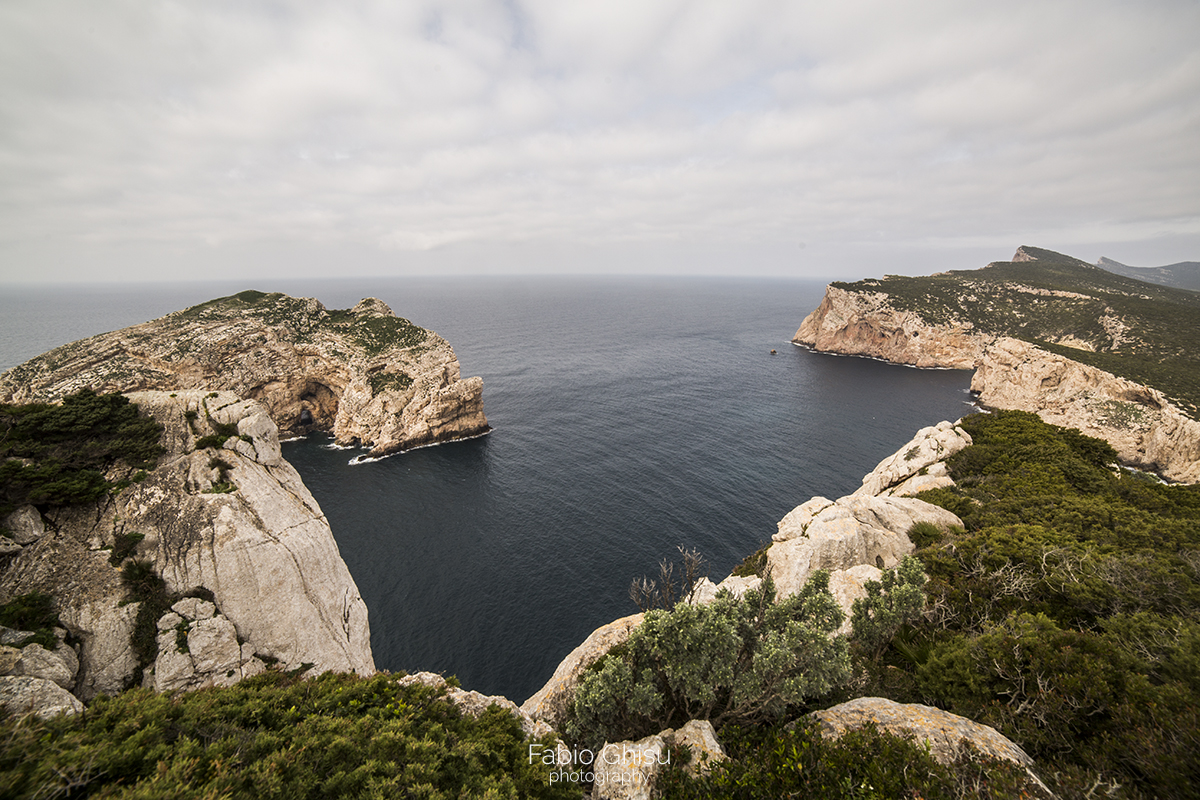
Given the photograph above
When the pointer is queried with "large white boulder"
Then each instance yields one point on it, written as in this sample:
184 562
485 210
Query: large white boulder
929 447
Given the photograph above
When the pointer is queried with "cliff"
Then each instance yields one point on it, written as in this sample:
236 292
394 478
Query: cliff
250 571
362 374
1046 333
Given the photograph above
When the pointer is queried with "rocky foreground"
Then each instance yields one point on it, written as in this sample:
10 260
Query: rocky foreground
363 374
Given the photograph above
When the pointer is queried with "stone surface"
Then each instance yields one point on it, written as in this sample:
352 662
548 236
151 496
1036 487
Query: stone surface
24 525
848 585
364 374
705 591
942 731
38 662
20 695
700 736
1145 429
854 530
627 770
194 608
9 656
929 447
265 551
551 702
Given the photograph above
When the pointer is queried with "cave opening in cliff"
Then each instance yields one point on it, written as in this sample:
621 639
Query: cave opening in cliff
321 404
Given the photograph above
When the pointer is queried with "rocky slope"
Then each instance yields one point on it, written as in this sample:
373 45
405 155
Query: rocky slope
251 570
984 320
364 374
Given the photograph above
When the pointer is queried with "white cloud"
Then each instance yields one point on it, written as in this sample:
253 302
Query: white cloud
421 128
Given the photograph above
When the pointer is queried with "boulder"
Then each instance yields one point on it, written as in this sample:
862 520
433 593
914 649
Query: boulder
38 662
854 530
627 770
705 591
848 585
552 701
24 525
22 694
473 704
929 447
942 732
701 738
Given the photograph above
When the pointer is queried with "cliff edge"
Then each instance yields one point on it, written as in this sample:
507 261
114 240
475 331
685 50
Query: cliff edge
363 374
248 569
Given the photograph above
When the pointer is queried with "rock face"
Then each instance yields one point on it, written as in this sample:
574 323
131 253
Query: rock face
364 375
552 701
233 520
921 457
1146 430
942 731
866 324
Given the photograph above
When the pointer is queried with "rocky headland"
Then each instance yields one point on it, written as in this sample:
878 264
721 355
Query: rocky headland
1031 329
363 374
250 573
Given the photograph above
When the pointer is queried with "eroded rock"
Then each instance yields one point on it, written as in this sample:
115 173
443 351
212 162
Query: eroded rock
552 701
21 694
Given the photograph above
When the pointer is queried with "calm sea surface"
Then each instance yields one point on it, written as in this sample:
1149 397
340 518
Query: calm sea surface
631 415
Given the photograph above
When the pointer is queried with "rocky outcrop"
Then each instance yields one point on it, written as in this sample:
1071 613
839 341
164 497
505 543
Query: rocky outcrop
231 521
923 457
848 532
552 702
867 324
627 770
1145 429
944 733
364 374
20 695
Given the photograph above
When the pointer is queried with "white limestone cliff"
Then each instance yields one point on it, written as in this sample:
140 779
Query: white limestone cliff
235 521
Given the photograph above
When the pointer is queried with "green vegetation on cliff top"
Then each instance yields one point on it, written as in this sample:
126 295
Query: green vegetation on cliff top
1137 330
372 332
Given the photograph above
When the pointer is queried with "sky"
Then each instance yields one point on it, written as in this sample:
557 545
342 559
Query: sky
183 140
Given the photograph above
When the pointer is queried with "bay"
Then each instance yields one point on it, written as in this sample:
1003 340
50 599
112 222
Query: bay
631 416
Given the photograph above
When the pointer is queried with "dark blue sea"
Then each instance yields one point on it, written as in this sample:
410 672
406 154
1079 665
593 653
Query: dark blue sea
631 416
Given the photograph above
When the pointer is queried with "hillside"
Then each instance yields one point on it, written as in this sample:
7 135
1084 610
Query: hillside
1184 275
1136 330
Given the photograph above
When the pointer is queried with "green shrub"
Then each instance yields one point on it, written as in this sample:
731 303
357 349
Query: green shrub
275 738
895 600
733 660
70 447
33 612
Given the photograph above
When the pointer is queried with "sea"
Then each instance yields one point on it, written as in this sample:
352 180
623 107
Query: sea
632 416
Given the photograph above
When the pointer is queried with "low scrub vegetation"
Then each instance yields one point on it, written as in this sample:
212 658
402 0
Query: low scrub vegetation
275 736
58 455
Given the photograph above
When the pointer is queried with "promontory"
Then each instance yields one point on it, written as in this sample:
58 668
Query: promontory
365 375
1113 356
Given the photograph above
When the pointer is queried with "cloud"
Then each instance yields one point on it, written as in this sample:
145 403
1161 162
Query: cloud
418 128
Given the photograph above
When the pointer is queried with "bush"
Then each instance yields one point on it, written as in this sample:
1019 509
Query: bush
275 738
732 660
70 447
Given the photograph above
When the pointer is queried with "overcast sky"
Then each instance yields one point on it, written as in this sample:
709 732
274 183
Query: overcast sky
150 139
